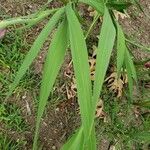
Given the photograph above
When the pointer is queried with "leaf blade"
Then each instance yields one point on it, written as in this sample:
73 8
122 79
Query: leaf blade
121 47
82 73
37 45
131 72
75 142
96 4
106 42
54 60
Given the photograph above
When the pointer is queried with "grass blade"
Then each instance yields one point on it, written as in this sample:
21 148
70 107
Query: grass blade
96 4
131 65
106 43
76 142
131 72
144 104
37 45
26 19
81 67
55 57
121 47
143 136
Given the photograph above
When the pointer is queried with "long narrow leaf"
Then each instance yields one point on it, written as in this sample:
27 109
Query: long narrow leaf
96 4
131 64
26 19
54 60
121 47
131 72
106 43
143 136
81 67
76 142
35 49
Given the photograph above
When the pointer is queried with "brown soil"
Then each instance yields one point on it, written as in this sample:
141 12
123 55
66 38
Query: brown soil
137 28
62 118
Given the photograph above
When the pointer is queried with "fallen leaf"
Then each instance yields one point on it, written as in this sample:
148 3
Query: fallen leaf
69 71
92 62
92 12
71 90
120 15
2 33
116 83
99 110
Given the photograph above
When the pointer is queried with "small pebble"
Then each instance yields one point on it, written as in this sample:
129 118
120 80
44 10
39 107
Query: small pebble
54 147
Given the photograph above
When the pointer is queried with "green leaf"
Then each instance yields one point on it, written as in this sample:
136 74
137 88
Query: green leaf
37 45
76 142
96 4
121 47
41 15
120 6
131 65
82 72
131 72
106 43
54 60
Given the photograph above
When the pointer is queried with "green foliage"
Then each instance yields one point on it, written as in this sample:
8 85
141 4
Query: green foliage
107 35
70 34
11 116
81 67
8 144
52 65
36 47
121 47
12 52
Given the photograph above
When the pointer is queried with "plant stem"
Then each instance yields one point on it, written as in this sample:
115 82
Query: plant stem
91 26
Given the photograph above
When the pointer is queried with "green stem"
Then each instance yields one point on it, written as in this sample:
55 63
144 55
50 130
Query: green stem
91 26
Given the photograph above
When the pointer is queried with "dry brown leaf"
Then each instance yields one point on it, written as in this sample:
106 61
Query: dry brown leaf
2 33
94 51
92 63
120 15
68 71
71 89
116 84
99 110
92 12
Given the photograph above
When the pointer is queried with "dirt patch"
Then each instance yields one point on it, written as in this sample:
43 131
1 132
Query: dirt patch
137 28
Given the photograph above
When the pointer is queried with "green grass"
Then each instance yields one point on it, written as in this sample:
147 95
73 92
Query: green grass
7 143
121 127
10 116
13 49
